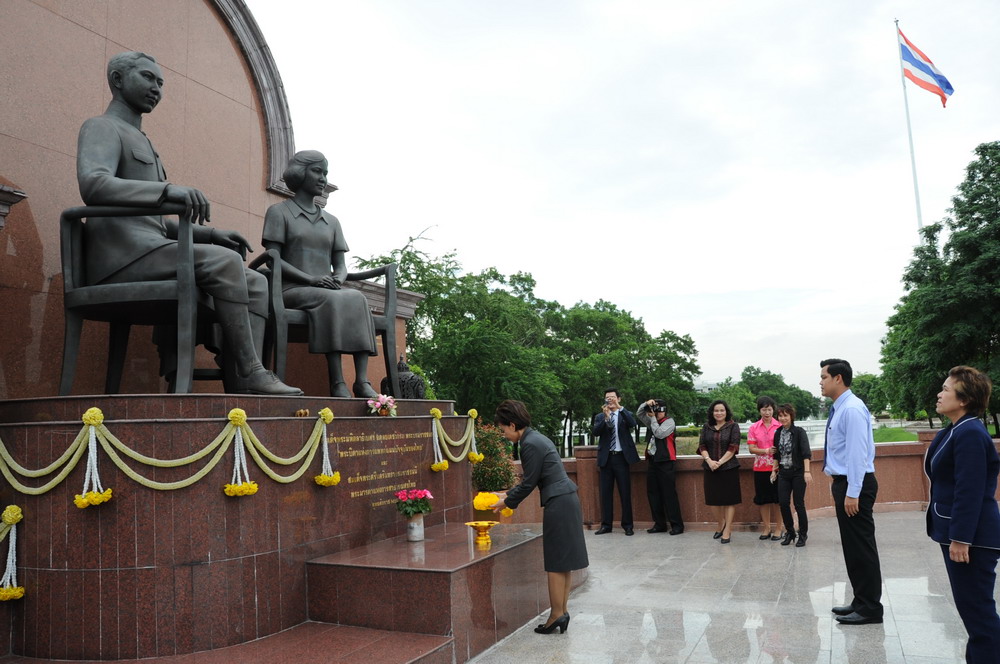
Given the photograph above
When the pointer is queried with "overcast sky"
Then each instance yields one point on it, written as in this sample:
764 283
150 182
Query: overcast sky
735 171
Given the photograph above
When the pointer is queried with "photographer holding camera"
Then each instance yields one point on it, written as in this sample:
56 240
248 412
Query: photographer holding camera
661 452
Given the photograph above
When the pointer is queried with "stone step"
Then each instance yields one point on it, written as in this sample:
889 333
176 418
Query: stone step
308 643
448 585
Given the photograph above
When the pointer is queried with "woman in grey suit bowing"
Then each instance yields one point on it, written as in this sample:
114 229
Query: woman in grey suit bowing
562 521
962 464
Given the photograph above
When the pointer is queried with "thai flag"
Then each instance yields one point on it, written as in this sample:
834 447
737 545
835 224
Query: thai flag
921 71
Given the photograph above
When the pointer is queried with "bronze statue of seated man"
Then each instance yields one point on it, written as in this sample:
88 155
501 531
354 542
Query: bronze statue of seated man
117 165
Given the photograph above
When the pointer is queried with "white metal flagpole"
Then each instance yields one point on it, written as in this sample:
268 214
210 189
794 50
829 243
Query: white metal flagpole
909 131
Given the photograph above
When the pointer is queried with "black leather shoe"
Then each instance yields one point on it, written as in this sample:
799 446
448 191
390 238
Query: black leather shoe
858 619
676 531
604 530
765 536
561 623
802 540
788 539
262 381
629 532
717 535
845 610
657 529
725 540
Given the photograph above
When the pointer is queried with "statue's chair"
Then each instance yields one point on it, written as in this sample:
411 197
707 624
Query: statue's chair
292 325
176 302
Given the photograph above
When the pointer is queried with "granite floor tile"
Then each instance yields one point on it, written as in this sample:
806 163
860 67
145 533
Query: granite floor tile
708 603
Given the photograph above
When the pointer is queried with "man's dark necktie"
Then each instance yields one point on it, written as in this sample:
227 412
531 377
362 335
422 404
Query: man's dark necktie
826 435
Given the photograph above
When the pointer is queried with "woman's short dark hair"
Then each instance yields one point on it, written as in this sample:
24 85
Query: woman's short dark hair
765 401
973 387
513 412
786 408
711 414
295 172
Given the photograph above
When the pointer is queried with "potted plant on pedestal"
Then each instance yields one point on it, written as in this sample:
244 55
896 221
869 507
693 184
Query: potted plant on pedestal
496 471
414 504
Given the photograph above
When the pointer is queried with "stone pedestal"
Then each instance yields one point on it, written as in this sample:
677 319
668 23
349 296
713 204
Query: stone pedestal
156 573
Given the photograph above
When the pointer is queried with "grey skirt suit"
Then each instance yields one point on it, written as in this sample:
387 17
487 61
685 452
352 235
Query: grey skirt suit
563 543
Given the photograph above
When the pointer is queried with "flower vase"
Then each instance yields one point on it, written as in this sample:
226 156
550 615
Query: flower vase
415 528
384 412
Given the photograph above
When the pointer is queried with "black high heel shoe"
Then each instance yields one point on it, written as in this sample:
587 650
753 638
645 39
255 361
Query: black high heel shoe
789 538
562 622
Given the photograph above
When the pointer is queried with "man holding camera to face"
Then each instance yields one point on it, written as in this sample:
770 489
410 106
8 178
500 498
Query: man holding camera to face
615 453
661 452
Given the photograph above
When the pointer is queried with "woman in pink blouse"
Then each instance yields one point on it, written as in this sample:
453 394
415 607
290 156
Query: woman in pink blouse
760 441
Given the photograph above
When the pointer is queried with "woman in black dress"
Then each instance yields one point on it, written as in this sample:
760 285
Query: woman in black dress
562 519
718 446
791 473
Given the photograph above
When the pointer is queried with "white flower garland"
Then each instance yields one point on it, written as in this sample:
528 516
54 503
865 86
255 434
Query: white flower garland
8 527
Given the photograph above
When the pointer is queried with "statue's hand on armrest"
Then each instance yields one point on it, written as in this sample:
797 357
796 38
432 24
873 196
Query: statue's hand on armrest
196 207
327 281
231 240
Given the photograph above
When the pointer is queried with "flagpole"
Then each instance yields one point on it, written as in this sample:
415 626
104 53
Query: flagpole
909 132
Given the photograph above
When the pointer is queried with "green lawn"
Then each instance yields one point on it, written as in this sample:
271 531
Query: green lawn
893 435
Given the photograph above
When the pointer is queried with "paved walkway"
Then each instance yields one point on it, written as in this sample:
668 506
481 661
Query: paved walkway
656 598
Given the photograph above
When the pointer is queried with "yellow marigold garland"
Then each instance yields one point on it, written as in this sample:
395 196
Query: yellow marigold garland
327 476
9 589
484 500
12 514
94 431
89 498
441 442
241 489
328 480
93 492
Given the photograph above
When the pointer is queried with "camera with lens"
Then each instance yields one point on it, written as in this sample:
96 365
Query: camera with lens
658 408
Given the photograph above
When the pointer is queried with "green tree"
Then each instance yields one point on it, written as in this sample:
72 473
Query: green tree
868 388
761 382
741 401
950 313
485 337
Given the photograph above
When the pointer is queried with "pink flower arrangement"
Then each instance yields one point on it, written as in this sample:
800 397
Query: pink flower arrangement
414 501
382 405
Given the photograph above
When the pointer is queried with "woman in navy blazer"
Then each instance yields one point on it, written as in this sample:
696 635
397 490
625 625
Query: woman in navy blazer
563 546
962 464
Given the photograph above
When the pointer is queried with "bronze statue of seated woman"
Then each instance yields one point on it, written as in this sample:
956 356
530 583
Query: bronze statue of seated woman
312 248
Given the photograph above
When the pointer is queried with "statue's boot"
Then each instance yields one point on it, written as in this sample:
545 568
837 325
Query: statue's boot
362 388
246 375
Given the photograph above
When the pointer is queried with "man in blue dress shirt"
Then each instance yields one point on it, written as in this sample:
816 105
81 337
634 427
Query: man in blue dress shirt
849 459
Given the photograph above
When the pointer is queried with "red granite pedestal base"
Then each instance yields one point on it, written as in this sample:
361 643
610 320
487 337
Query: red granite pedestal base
155 573
445 585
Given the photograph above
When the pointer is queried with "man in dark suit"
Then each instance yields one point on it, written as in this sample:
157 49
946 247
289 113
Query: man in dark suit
116 164
849 458
615 453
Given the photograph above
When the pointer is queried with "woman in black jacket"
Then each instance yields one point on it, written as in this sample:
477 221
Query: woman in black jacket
563 546
791 471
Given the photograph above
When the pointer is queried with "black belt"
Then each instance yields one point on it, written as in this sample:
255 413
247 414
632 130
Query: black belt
614 452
